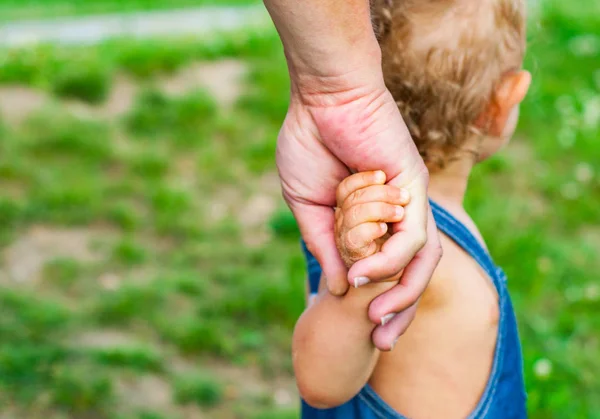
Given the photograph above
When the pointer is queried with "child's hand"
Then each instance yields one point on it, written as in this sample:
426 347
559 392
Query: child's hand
364 206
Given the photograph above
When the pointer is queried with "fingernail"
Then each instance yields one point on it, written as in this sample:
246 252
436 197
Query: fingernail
360 281
386 319
383 226
399 211
394 344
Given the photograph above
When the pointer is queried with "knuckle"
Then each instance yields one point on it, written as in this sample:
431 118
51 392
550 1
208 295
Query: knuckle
357 195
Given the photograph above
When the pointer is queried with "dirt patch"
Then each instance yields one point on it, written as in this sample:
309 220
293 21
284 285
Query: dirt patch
251 204
242 384
257 210
121 97
255 213
24 260
222 79
103 339
269 183
223 203
246 383
18 102
250 383
149 392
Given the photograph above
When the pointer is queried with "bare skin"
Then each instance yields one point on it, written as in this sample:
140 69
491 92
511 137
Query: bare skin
342 117
441 364
364 208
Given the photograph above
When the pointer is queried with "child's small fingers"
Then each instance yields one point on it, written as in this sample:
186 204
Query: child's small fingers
373 212
358 181
359 238
378 193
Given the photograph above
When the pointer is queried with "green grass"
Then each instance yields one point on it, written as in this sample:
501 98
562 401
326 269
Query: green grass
161 190
550 201
134 357
85 80
37 9
86 73
204 391
186 120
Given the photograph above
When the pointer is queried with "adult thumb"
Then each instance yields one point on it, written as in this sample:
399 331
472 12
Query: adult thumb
316 223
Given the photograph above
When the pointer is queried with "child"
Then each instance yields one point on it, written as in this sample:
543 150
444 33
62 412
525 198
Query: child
454 68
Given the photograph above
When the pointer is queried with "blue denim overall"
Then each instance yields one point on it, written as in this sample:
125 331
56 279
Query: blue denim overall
504 396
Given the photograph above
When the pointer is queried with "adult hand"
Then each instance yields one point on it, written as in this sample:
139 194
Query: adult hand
342 116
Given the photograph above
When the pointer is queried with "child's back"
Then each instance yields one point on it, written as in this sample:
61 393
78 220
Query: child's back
453 66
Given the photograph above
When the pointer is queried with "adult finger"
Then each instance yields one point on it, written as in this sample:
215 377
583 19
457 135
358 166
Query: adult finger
384 337
414 280
316 223
358 181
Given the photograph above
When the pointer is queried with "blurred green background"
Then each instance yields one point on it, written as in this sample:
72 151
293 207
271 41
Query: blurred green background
150 270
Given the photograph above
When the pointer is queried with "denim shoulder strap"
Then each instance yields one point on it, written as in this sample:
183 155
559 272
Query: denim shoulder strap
313 268
461 235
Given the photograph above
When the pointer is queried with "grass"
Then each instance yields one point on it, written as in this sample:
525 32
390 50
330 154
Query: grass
135 357
204 391
162 189
39 9
86 74
87 81
186 120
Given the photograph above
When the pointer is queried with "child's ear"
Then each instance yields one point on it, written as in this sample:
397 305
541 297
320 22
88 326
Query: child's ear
509 93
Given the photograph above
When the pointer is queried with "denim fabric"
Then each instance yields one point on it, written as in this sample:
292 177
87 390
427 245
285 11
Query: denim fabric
504 396
314 270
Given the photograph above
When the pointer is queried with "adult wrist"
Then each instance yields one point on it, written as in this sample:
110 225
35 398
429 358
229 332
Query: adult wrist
358 71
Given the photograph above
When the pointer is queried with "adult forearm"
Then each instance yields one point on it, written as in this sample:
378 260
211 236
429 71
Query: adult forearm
325 38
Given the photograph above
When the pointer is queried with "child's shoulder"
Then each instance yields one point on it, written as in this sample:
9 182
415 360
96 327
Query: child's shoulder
457 273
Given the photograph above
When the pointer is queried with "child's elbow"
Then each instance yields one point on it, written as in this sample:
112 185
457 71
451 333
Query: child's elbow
316 386
321 397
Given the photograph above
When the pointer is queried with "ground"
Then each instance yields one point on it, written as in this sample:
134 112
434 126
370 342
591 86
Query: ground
149 268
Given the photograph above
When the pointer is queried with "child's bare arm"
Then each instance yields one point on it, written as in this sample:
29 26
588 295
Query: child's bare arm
332 350
333 353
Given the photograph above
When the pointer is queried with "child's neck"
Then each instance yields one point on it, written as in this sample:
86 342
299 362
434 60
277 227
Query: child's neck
448 186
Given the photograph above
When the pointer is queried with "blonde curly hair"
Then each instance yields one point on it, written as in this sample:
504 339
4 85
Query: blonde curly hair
442 60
